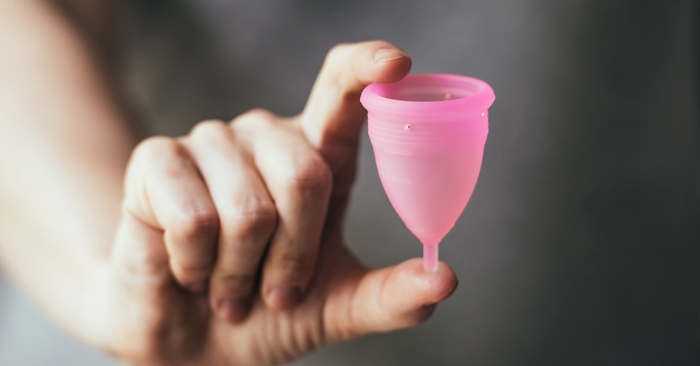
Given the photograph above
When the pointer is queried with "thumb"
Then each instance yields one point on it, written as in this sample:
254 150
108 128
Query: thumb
333 115
395 297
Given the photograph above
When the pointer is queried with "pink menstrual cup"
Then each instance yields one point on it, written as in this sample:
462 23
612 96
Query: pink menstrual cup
428 133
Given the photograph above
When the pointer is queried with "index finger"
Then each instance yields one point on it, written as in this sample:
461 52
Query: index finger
333 115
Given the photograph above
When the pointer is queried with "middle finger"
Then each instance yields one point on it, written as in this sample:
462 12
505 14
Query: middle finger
300 182
246 211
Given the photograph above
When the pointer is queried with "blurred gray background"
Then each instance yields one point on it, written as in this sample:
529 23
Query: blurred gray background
581 243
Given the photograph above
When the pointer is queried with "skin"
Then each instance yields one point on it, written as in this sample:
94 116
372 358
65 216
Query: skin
222 247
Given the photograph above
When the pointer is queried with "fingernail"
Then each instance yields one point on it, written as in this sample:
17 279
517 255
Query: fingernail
232 308
387 54
199 286
284 296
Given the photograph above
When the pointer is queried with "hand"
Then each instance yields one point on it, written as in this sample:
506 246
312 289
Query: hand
230 250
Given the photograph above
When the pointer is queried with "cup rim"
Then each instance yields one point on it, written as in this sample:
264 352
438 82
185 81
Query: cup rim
481 98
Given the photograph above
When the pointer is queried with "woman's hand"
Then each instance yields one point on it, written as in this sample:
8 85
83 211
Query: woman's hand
230 251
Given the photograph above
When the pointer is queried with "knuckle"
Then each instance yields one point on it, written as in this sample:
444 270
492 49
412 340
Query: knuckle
190 270
337 51
196 222
259 113
310 175
253 117
206 130
158 155
294 264
157 148
253 217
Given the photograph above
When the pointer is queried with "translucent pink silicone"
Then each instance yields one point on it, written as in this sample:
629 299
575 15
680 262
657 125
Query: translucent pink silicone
428 133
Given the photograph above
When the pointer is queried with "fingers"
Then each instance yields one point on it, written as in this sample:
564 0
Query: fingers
392 298
246 211
333 115
300 183
216 195
165 192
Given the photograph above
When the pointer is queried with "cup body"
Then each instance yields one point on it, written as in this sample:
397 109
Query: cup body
428 133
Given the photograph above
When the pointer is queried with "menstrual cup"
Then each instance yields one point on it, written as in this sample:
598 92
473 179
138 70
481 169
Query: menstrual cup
428 133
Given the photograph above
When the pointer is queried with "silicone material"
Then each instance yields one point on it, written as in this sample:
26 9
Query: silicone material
428 133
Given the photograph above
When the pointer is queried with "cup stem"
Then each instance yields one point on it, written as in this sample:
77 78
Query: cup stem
430 258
